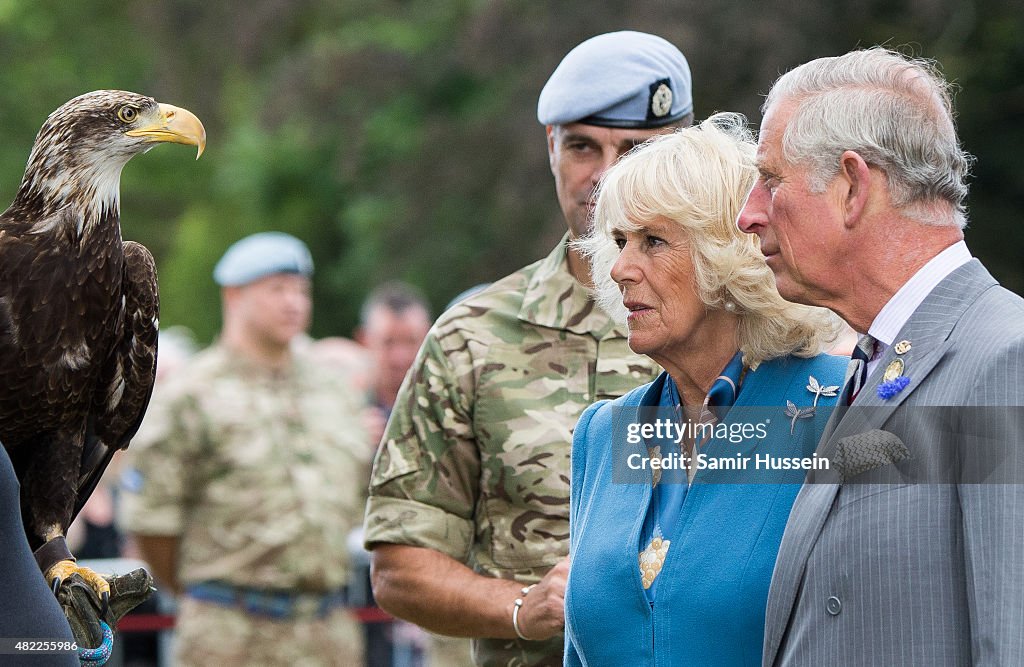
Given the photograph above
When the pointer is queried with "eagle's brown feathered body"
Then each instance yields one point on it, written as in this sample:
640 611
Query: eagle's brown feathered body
78 306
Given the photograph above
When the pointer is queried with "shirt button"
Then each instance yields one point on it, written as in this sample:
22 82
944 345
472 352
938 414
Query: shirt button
833 606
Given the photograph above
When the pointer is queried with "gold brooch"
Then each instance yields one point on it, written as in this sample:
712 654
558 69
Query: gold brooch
893 370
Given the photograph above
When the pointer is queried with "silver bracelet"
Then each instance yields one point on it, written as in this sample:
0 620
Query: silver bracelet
515 612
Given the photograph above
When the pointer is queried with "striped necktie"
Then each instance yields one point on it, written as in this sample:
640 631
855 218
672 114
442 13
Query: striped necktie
857 371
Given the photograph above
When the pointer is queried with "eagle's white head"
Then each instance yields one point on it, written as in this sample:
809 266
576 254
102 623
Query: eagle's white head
81 148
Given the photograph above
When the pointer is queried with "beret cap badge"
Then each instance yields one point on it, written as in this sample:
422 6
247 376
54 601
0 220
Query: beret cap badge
661 100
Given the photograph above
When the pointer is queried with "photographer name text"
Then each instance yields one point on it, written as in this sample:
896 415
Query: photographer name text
676 461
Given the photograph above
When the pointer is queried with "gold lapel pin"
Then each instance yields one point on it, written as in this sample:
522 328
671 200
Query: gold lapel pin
902 347
893 370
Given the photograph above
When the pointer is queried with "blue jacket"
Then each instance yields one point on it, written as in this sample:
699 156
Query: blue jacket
711 597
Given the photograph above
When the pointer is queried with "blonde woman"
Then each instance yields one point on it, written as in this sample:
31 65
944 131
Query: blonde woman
673 570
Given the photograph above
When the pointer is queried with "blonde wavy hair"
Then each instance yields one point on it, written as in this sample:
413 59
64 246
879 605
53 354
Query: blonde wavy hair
699 178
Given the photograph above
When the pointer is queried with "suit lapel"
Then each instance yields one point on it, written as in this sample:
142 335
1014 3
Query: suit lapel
871 411
928 331
813 503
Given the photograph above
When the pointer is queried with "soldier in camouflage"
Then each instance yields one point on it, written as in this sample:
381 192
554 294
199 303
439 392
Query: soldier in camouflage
470 489
247 476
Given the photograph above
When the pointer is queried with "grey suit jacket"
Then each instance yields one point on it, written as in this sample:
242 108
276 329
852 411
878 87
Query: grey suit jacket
905 573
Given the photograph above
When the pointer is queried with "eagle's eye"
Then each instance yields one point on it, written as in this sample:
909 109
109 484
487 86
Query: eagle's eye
128 113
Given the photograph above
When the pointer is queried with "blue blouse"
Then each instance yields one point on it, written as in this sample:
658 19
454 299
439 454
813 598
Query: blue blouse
667 497
713 587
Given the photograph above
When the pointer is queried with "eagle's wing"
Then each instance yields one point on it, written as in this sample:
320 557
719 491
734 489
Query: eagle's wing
128 376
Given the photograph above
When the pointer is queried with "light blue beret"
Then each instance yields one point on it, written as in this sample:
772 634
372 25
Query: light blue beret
618 79
261 255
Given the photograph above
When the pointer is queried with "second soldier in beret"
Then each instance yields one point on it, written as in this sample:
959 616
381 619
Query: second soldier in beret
248 474
469 498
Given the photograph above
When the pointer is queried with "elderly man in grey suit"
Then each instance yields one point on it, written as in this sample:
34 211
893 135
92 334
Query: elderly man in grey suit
859 208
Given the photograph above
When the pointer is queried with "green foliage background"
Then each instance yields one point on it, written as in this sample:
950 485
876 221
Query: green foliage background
399 137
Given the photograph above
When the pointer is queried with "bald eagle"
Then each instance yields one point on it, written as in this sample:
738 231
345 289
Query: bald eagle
78 311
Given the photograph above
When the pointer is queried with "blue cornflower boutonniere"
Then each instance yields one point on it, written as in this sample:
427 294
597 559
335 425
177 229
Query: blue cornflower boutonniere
890 388
893 380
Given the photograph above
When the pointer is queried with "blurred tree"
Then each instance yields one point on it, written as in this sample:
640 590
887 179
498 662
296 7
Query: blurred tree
399 137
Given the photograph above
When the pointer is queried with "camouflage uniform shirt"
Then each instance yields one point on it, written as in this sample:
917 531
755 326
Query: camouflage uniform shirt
262 474
475 459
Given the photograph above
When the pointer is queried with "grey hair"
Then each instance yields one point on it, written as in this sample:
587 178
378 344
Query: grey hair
894 111
698 178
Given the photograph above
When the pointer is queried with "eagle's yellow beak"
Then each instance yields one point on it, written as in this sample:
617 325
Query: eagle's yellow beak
174 125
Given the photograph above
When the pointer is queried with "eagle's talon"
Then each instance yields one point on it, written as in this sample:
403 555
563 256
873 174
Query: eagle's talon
105 606
55 584
65 569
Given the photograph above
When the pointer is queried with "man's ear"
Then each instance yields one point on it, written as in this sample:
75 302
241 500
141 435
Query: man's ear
552 134
229 295
855 176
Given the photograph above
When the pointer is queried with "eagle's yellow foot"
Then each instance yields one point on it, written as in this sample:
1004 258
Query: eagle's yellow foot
65 568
